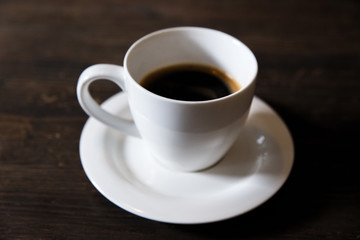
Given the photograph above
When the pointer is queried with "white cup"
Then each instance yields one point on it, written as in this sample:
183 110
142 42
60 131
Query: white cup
181 135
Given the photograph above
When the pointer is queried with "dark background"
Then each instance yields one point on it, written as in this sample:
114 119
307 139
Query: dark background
309 61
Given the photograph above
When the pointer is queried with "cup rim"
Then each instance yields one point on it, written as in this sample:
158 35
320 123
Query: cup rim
188 28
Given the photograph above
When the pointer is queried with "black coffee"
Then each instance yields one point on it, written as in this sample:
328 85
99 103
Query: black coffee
190 82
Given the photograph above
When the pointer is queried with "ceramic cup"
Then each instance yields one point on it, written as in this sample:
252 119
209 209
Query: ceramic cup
181 135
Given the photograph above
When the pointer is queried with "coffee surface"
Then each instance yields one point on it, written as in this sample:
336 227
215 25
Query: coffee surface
190 82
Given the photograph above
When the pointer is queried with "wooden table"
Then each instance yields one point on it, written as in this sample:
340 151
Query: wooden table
309 62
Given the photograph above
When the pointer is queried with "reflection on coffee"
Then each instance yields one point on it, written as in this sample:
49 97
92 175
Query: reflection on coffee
190 82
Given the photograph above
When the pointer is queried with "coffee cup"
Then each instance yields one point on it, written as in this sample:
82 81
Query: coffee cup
181 133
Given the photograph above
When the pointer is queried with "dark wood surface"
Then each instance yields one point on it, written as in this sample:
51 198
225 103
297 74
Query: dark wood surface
309 63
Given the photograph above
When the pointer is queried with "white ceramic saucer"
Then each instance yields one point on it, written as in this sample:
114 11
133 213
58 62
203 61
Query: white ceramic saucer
121 168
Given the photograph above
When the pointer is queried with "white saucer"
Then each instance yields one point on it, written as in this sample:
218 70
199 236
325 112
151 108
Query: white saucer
252 171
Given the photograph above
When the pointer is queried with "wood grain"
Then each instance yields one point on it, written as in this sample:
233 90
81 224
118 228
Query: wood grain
309 61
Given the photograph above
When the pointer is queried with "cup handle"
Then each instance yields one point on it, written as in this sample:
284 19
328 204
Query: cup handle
115 74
